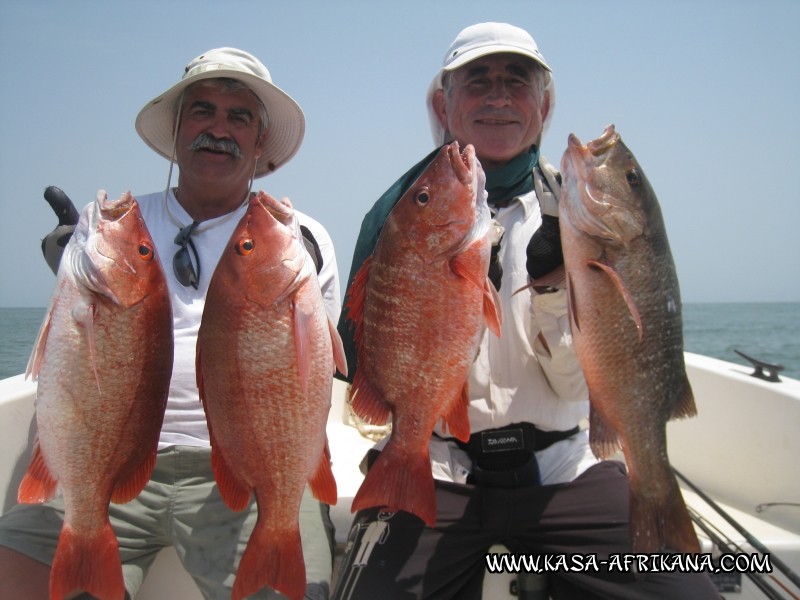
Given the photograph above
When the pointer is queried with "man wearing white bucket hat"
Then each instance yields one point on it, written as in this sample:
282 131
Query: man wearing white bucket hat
527 478
225 124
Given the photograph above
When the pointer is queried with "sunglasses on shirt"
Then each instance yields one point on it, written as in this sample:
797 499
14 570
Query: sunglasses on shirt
182 264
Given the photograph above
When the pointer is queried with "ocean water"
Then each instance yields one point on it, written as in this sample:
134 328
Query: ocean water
768 331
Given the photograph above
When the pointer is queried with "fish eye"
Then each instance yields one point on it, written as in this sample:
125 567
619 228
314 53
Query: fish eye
633 177
422 197
145 251
245 246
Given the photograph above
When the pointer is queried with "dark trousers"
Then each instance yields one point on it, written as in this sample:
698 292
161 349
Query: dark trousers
394 556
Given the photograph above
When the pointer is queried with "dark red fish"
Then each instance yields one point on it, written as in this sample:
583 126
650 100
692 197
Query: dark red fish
625 312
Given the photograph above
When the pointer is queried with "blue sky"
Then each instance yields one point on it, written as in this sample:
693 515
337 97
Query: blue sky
705 93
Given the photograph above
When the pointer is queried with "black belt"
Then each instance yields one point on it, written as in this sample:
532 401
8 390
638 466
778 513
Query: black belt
512 438
504 457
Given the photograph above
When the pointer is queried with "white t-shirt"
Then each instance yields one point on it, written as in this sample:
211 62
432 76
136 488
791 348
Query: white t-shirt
184 420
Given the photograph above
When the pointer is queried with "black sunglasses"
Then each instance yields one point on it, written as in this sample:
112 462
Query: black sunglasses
182 264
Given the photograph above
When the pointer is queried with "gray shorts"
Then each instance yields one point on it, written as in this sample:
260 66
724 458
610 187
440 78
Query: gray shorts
180 506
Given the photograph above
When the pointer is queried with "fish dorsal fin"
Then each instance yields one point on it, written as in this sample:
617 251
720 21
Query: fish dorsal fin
235 494
603 439
623 290
127 489
457 420
38 484
356 295
322 482
685 406
366 401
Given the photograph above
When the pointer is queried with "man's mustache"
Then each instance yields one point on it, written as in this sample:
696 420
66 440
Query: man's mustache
206 141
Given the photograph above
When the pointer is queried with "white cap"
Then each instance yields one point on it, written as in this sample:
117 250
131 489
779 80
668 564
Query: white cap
480 40
286 123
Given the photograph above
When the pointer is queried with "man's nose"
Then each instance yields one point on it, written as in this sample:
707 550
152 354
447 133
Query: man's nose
498 92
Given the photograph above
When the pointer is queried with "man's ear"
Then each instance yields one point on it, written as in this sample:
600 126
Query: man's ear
440 108
545 106
262 139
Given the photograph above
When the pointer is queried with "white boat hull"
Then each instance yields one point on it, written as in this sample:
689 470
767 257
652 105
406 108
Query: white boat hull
740 450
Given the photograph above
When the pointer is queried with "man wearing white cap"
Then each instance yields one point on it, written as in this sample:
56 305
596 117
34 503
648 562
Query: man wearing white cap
527 478
225 124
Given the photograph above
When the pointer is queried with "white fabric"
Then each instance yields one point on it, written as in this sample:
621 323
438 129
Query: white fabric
184 420
513 378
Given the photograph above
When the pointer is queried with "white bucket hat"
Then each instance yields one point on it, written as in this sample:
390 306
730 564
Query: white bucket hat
286 123
480 40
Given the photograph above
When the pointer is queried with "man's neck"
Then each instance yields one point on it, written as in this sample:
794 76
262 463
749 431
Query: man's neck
203 204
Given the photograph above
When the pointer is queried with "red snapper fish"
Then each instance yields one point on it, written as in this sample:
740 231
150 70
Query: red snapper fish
625 312
419 304
266 354
103 360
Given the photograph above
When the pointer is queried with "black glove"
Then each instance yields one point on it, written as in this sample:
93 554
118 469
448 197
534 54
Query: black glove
495 268
312 247
544 250
54 242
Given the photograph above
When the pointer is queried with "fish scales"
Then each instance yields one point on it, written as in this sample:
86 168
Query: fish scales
103 361
265 361
625 313
419 305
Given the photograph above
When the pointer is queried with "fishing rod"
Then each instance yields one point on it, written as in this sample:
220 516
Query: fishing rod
755 543
728 545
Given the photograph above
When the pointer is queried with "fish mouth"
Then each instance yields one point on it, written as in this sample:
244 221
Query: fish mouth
594 148
462 162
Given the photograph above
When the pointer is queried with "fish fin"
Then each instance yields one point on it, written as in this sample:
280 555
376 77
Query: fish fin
468 265
399 482
38 484
356 296
273 559
37 355
661 522
623 290
685 406
235 494
89 563
83 314
129 488
603 438
303 313
491 307
322 482
457 420
339 358
366 402
572 307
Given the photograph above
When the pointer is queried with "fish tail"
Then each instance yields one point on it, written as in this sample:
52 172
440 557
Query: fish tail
273 559
661 522
89 563
399 481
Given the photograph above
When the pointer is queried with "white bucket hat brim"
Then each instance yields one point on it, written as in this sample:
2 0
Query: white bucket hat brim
479 40
286 122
